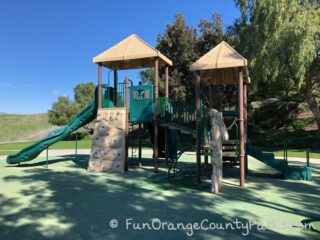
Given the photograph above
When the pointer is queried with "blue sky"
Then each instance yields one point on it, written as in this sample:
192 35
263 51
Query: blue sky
46 47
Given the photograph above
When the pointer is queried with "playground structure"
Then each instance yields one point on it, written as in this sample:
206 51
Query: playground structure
122 105
222 66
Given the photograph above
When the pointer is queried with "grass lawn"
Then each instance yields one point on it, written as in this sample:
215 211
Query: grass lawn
10 148
65 201
22 126
297 153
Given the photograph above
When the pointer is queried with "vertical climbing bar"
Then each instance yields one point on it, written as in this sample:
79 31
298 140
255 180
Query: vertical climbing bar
245 105
205 140
115 88
127 123
308 157
241 128
167 81
166 136
155 121
131 140
285 152
198 126
139 144
210 93
47 157
99 84
76 143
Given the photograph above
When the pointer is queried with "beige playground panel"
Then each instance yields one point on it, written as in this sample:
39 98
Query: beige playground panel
108 145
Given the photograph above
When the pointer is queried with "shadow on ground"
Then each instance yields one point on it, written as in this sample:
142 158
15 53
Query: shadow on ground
67 202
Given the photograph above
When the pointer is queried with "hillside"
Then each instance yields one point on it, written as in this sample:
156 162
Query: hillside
20 127
276 122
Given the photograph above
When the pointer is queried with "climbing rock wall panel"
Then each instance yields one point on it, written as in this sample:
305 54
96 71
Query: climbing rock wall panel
108 145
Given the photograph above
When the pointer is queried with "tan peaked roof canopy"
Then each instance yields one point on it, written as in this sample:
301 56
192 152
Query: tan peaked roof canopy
220 65
130 53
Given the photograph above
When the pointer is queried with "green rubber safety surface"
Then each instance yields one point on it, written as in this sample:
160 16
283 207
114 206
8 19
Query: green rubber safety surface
64 201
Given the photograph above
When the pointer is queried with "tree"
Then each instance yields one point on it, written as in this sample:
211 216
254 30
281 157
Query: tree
83 93
281 40
65 109
211 33
62 111
182 45
179 43
147 76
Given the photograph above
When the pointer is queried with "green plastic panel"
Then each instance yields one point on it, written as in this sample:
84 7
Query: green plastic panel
107 97
293 172
298 173
141 103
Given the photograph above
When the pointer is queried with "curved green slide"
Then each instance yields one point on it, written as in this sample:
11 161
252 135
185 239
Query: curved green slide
85 116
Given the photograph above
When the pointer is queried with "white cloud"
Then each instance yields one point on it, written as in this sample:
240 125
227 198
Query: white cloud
56 92
59 93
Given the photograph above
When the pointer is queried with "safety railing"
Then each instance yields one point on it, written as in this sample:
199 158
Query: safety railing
121 95
113 97
177 112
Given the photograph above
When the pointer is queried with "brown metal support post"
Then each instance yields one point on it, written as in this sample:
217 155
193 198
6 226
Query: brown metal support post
245 106
198 127
99 85
115 88
206 156
139 145
167 130
210 96
155 121
167 81
127 123
241 128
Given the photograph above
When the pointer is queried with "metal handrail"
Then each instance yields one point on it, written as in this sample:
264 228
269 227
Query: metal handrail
120 93
177 112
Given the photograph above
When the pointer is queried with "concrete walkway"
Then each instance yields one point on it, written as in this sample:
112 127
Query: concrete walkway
60 152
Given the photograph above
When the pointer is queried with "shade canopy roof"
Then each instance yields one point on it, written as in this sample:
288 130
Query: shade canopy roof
220 65
131 53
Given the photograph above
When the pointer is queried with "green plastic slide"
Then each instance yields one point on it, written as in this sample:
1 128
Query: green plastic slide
294 172
84 117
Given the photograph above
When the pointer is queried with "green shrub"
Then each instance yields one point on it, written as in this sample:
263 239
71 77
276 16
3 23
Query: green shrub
80 136
298 124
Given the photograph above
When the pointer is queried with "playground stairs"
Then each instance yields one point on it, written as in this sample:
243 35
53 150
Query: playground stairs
172 166
294 172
